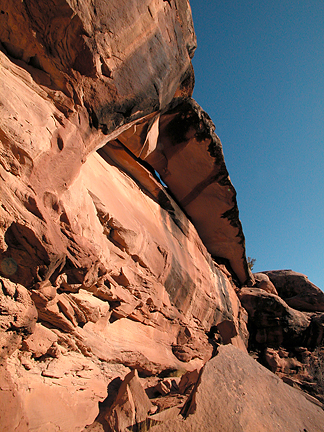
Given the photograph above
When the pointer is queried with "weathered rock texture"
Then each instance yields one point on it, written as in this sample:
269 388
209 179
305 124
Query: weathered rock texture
297 291
286 330
106 272
263 402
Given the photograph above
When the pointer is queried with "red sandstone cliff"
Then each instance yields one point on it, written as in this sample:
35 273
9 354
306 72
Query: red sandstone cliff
106 273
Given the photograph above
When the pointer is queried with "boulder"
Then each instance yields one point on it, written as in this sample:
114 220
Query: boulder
247 399
131 406
188 380
262 281
271 321
40 341
92 307
279 361
297 291
18 316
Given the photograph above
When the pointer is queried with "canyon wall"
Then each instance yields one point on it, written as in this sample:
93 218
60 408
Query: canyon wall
123 268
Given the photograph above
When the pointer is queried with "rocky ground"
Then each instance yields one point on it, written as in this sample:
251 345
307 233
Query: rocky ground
126 298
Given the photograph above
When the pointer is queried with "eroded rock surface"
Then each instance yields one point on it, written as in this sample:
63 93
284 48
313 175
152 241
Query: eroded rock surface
286 340
188 156
93 247
262 281
297 290
256 405
106 271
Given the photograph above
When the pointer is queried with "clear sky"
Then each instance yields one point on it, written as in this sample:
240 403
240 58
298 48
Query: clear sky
259 70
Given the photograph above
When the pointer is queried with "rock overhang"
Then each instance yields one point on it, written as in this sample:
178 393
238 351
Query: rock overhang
133 82
187 154
118 264
111 59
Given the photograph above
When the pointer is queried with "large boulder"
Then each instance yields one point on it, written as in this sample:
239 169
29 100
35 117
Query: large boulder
131 406
271 321
297 291
262 281
235 393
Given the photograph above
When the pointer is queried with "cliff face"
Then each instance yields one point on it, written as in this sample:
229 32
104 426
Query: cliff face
121 248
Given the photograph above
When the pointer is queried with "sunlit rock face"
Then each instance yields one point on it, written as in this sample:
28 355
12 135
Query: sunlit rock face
117 60
121 248
255 407
102 271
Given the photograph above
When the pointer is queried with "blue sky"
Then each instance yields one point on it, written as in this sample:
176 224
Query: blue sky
259 70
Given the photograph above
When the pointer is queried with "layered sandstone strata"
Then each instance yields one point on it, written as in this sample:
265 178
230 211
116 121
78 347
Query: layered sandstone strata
102 271
107 272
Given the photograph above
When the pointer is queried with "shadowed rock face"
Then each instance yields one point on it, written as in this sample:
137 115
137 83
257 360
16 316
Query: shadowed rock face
286 327
190 160
181 145
297 290
273 322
